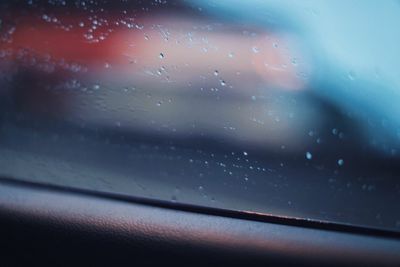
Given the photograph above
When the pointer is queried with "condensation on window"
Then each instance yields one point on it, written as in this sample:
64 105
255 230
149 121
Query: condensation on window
288 108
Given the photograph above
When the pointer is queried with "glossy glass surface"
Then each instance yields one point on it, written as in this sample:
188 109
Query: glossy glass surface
289 108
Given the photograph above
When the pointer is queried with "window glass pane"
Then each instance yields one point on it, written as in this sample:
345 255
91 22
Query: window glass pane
289 108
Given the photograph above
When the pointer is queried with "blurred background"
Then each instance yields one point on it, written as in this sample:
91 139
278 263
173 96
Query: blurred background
288 108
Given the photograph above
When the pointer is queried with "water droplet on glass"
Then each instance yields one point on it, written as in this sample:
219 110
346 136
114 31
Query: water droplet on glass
364 187
351 75
161 55
308 155
245 153
340 162
216 73
255 49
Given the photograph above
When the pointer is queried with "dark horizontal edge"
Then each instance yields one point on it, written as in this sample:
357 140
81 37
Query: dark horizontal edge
236 214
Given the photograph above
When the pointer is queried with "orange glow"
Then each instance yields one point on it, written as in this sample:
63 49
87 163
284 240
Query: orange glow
186 56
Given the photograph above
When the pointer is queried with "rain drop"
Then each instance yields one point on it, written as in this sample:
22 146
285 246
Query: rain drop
351 75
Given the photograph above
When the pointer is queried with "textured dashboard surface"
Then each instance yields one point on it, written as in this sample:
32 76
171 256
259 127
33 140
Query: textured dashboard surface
61 227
